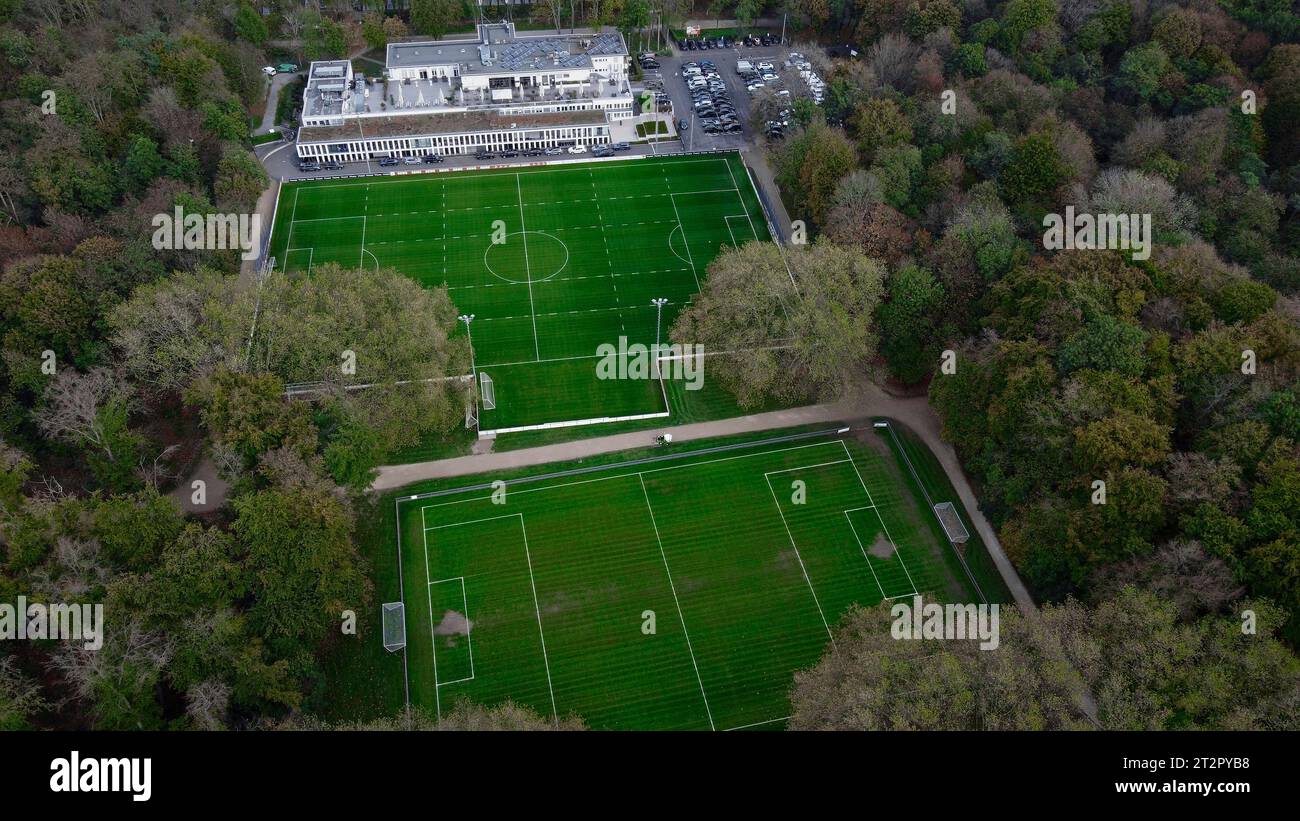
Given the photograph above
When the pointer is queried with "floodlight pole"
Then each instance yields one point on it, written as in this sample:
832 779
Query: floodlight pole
468 318
659 303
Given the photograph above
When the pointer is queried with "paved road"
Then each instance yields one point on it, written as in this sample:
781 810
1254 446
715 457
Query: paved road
277 84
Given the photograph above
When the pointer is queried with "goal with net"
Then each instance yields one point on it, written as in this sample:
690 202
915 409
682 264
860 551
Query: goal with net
394 626
951 522
487 390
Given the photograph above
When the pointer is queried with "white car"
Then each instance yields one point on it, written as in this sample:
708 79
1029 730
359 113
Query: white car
577 149
269 71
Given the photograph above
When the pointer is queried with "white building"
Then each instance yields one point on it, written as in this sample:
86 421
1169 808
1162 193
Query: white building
459 97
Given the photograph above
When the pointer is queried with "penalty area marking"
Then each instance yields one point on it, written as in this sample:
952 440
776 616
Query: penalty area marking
537 608
469 640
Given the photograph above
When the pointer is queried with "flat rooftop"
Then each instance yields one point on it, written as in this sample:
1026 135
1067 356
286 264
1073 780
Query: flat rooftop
327 87
508 54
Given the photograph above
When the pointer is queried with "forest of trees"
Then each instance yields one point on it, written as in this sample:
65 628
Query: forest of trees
122 366
1175 380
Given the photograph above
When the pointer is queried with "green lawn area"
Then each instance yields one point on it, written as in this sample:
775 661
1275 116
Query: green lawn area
651 128
744 552
270 137
552 260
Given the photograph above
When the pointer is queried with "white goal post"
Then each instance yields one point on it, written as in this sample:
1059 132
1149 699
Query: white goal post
487 390
394 614
951 522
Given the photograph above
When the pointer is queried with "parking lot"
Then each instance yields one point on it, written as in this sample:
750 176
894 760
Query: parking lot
683 105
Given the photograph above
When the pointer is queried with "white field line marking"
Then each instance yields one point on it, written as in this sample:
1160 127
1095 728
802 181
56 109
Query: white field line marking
523 232
471 521
362 261
629 475
680 616
328 219
665 358
806 467
726 220
401 593
538 608
690 257
433 640
816 601
742 199
532 582
469 641
293 217
858 539
456 176
757 724
884 526
609 260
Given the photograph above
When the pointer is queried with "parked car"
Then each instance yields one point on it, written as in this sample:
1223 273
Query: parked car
308 166
269 71
602 151
432 159
288 68
551 152
577 149
683 124
384 162
332 166
621 146
411 160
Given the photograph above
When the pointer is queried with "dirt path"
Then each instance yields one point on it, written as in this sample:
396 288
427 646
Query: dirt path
277 84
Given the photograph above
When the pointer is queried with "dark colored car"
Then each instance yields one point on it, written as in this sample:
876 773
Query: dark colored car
433 158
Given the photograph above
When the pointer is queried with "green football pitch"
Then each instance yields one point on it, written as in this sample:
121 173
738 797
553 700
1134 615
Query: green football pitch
552 261
670 592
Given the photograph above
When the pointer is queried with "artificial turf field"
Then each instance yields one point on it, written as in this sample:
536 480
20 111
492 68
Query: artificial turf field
543 599
586 248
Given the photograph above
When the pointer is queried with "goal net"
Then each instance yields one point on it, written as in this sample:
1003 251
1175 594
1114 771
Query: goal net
952 524
487 390
394 626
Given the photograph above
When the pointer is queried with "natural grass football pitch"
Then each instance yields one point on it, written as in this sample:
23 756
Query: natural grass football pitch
586 248
548 598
